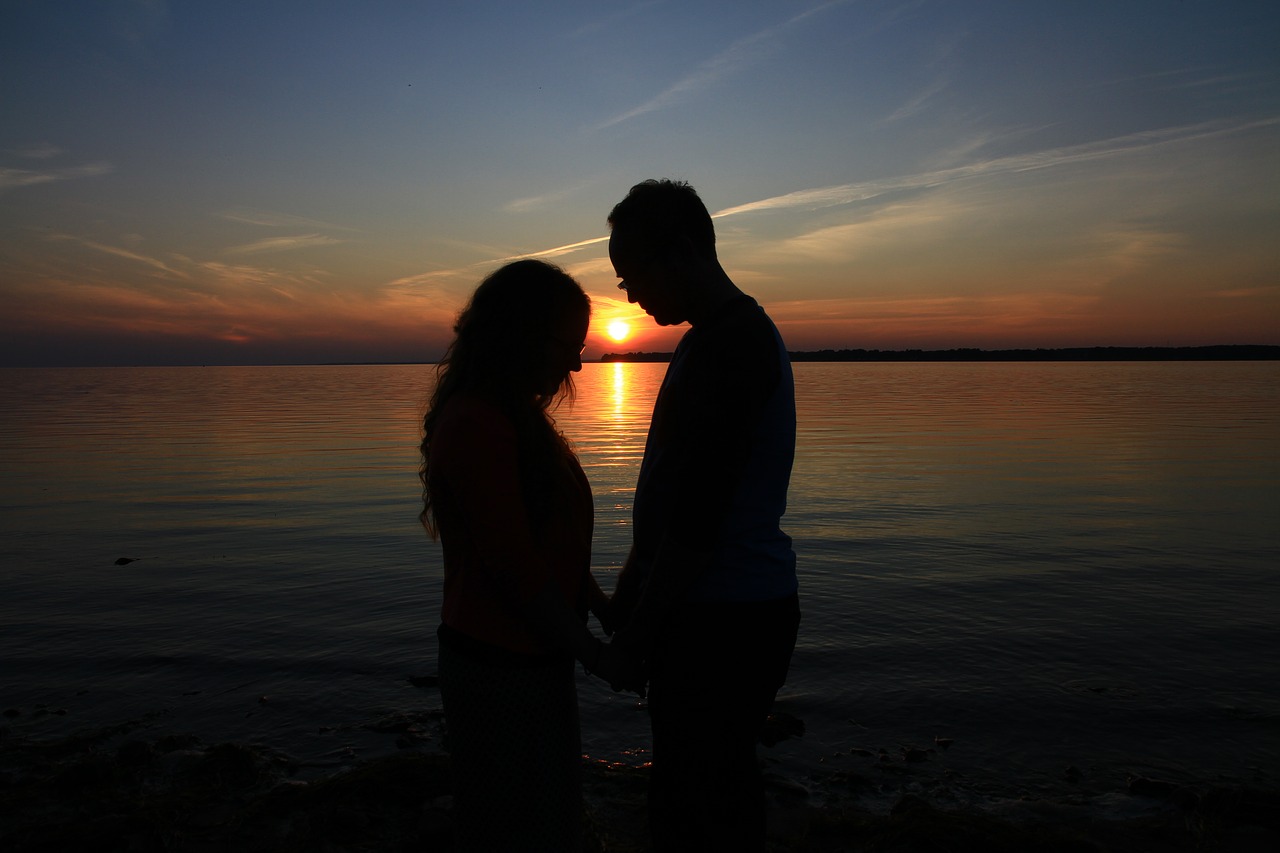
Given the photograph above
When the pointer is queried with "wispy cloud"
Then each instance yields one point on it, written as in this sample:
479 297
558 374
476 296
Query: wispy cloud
272 219
844 242
737 56
938 64
284 244
840 194
1204 81
468 272
1220 80
965 149
241 307
1188 77
471 246
567 249
844 309
431 277
1125 247
594 26
240 277
1020 318
145 260
1244 292
917 103
39 151
13 178
532 203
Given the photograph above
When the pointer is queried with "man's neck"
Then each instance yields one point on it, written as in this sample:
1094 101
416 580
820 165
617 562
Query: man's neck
717 291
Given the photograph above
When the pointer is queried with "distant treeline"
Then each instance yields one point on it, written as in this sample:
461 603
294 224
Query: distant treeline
1210 353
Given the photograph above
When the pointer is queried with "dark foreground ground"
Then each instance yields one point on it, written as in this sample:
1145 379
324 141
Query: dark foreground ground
114 789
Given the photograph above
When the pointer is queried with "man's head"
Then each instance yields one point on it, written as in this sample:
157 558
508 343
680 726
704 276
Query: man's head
663 246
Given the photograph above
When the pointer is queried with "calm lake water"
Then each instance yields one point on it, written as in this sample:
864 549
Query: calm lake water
1050 564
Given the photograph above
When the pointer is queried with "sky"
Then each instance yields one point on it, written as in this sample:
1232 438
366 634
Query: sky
310 182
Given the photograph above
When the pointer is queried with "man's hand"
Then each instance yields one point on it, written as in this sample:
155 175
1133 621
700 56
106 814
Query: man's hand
632 645
622 673
626 593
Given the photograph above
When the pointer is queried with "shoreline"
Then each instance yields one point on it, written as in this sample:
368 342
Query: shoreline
135 786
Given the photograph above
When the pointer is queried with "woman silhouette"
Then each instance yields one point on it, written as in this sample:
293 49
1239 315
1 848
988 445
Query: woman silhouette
505 495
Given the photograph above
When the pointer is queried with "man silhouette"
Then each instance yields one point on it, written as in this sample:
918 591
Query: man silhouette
706 604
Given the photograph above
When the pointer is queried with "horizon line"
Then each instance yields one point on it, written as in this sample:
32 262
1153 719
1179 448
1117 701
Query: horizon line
1227 352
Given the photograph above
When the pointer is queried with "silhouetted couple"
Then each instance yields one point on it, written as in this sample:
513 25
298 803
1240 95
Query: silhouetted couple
705 611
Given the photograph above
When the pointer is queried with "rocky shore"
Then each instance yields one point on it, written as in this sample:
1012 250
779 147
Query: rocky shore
129 787
117 789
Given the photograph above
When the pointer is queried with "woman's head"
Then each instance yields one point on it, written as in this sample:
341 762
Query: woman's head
521 334
518 340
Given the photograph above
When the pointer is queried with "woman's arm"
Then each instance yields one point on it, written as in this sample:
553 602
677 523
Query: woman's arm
477 459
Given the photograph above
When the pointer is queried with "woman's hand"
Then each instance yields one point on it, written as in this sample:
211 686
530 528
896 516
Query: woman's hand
619 670
602 609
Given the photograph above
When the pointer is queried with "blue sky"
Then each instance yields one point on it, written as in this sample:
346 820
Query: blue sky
275 181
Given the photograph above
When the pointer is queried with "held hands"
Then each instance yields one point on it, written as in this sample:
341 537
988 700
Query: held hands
619 669
622 662
602 609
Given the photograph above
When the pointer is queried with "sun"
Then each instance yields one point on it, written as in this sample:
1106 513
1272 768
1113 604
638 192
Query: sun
618 330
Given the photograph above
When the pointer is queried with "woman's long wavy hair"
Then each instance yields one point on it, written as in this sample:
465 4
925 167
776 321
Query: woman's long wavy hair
497 352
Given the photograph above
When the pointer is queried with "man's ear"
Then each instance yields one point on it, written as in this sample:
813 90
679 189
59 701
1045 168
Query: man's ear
687 254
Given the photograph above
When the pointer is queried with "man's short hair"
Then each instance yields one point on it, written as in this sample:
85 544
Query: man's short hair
663 211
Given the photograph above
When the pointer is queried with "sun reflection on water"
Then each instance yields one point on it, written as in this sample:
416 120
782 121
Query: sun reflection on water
619 388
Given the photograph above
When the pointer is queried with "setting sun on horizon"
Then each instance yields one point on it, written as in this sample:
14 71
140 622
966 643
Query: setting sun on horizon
618 330
876 178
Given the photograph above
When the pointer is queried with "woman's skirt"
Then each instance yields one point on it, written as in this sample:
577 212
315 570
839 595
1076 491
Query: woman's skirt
515 752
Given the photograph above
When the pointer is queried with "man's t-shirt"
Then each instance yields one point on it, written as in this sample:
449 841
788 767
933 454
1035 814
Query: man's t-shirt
718 458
